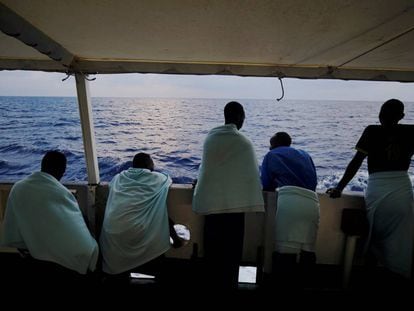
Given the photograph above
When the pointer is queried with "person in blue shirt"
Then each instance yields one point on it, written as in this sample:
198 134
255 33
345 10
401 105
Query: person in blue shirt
287 166
292 173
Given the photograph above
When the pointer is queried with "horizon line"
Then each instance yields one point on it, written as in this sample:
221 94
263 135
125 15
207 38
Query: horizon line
217 98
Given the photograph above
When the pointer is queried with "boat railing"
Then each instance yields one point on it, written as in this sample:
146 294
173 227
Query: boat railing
336 243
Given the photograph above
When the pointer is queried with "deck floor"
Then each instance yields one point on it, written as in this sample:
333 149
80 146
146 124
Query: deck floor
327 281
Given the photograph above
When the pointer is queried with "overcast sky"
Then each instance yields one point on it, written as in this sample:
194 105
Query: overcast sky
31 83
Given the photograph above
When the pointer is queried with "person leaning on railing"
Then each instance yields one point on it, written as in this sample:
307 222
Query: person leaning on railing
389 148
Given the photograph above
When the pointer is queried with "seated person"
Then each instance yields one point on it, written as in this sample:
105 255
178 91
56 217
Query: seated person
136 229
43 220
297 216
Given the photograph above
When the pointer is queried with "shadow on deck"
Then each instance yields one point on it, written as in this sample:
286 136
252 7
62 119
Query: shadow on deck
183 276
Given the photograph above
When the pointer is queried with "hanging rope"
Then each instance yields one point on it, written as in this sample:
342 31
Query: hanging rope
283 90
88 79
69 74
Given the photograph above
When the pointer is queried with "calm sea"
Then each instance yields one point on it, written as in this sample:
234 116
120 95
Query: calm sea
173 130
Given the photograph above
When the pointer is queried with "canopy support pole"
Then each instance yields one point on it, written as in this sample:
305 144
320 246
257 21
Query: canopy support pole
88 134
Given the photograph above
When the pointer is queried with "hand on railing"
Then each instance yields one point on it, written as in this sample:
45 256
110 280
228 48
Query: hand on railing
334 193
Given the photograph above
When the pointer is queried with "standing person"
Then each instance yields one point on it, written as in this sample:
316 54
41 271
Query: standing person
293 173
44 221
136 229
228 186
389 195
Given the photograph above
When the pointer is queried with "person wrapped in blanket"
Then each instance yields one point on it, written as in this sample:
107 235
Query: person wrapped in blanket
44 222
292 172
228 187
136 228
389 147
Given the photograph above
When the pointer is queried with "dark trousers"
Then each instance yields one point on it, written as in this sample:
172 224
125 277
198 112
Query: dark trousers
53 275
223 248
288 274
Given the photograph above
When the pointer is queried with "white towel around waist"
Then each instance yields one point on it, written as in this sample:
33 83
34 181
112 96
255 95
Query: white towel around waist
389 201
297 220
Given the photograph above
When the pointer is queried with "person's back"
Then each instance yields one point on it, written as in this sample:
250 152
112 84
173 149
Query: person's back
292 172
228 178
228 186
389 148
43 217
287 166
136 226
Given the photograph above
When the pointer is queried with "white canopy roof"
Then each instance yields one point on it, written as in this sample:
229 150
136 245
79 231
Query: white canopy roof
336 39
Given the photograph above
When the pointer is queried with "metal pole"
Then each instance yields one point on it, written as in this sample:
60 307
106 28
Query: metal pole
348 259
88 135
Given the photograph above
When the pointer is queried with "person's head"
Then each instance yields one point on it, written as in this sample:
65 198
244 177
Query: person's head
280 139
391 112
143 160
54 163
234 113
